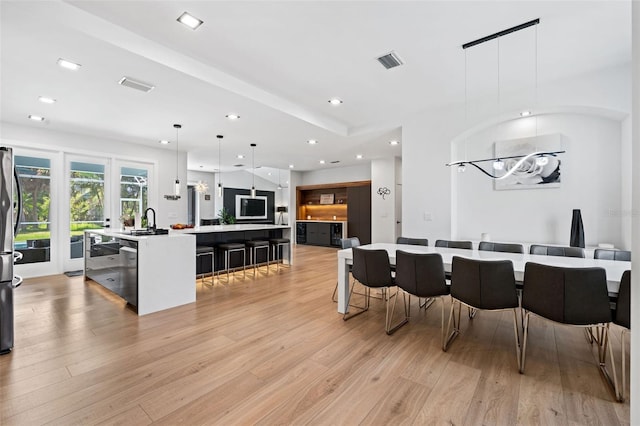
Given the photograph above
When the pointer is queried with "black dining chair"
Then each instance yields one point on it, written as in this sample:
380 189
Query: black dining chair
500 247
623 319
372 269
482 285
570 296
420 275
556 251
412 241
607 254
467 245
346 243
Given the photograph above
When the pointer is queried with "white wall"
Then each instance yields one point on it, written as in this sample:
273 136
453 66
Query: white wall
337 174
591 182
626 175
427 206
383 210
635 274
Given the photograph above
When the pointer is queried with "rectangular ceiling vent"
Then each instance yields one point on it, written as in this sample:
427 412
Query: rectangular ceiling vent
135 84
390 60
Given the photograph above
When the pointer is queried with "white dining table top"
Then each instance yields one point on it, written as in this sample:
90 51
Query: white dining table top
614 269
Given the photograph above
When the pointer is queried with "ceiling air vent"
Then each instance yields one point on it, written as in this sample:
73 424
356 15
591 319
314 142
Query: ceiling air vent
390 60
335 161
135 84
238 165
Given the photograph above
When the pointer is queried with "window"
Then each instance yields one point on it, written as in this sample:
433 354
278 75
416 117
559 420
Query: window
134 193
33 238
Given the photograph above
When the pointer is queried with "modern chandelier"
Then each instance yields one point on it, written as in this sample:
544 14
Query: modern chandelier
503 167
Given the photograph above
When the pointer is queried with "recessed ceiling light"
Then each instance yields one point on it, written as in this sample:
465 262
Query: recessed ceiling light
335 101
359 156
232 116
240 156
312 142
321 161
46 100
189 20
269 174
164 142
291 167
36 118
68 64
525 113
394 142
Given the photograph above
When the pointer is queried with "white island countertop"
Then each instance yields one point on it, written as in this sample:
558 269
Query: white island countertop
237 227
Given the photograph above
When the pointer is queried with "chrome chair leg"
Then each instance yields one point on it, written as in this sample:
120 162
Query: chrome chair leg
361 310
392 329
612 379
452 334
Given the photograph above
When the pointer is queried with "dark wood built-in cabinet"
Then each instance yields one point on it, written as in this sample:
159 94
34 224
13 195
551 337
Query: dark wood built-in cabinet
351 203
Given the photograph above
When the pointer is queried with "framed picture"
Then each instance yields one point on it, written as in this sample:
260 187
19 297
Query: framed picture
533 172
207 197
326 198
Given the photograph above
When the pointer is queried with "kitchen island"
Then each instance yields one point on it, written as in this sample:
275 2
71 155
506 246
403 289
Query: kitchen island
151 272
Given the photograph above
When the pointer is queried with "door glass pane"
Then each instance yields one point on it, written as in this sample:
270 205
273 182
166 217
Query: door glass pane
86 203
33 239
134 194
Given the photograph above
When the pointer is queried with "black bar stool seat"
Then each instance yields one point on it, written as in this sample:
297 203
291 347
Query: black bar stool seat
254 246
202 251
276 243
227 249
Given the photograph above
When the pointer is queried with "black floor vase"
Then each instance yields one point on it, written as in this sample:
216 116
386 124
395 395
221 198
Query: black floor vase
577 231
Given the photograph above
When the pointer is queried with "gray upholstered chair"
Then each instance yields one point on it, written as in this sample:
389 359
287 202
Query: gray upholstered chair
420 275
571 296
467 245
556 251
500 247
482 285
623 319
412 241
372 269
607 254
346 243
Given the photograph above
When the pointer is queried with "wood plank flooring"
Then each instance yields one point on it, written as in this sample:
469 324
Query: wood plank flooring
273 350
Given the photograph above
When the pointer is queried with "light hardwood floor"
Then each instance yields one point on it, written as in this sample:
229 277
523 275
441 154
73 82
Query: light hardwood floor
273 350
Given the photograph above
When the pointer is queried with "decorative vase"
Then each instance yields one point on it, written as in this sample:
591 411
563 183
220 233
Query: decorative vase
577 230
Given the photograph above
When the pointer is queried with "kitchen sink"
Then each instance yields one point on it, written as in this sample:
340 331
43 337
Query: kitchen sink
142 232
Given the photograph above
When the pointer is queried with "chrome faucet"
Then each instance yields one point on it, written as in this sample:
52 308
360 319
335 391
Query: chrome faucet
146 216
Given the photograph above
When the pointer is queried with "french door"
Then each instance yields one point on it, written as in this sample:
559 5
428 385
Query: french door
88 191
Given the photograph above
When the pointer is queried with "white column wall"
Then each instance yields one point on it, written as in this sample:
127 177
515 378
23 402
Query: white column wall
635 188
383 210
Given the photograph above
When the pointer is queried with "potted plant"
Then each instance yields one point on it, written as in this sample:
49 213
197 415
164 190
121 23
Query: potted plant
226 218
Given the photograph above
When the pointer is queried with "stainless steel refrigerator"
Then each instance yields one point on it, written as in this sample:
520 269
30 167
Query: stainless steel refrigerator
10 208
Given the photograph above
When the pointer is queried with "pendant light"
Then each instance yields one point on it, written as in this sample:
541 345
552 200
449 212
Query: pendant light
253 166
219 169
279 184
176 190
539 158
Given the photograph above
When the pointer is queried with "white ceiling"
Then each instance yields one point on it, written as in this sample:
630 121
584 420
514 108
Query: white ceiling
275 64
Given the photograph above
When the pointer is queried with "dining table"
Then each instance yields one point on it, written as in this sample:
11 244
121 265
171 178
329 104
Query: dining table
613 269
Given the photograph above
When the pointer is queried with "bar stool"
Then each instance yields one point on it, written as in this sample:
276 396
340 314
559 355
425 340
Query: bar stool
227 249
254 246
200 252
276 243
